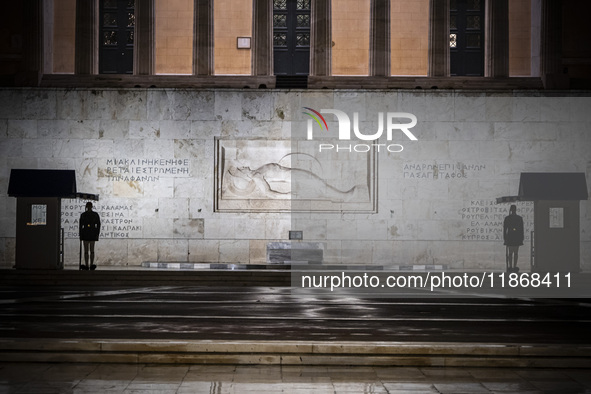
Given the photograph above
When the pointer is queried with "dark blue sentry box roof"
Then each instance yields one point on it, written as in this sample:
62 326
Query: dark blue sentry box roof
536 186
42 183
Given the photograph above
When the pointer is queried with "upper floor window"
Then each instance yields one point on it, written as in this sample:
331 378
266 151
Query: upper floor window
116 36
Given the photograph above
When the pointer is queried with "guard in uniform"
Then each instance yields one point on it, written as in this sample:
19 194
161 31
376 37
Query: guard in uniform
512 237
90 228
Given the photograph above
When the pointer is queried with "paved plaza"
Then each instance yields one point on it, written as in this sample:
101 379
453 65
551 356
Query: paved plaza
236 379
222 332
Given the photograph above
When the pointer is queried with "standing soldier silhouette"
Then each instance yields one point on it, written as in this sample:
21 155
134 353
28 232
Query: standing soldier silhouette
512 237
90 228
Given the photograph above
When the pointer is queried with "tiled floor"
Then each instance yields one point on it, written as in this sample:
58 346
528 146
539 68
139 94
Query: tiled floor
220 379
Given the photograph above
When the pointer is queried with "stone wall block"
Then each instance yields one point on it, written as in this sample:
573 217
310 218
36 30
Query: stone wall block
39 104
384 101
471 131
286 106
188 228
257 252
192 105
470 107
175 129
164 188
257 106
140 250
173 208
188 188
555 109
493 150
11 104
128 148
204 251
579 109
235 251
206 130
383 253
357 252
312 229
437 189
318 101
113 129
84 129
371 229
466 150
111 252
8 229
130 104
173 250
159 105
429 150
440 107
219 229
340 229
250 228
332 252
71 103
413 102
72 148
4 128
190 149
15 128
351 102
38 148
159 149
157 227
228 105
526 109
499 109
100 104
51 129
427 131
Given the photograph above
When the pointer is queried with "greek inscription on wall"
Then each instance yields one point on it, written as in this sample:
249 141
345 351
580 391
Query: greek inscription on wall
441 170
482 220
143 170
118 220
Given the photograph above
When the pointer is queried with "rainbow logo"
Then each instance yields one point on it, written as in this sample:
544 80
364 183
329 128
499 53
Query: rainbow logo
315 116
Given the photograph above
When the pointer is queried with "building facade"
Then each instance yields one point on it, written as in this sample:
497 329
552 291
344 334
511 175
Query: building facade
185 117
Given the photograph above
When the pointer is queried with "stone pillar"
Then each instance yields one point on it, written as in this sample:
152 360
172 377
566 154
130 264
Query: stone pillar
32 69
536 29
321 31
262 42
85 57
379 46
203 37
551 69
438 38
497 38
48 36
144 40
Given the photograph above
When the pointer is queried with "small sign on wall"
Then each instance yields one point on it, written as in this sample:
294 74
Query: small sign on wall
556 217
243 42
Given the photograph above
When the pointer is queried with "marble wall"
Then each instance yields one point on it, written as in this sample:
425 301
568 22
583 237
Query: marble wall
151 155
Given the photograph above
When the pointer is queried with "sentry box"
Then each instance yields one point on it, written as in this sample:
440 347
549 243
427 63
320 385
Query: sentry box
556 236
39 236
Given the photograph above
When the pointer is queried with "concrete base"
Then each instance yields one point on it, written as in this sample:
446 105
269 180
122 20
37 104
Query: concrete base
418 354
